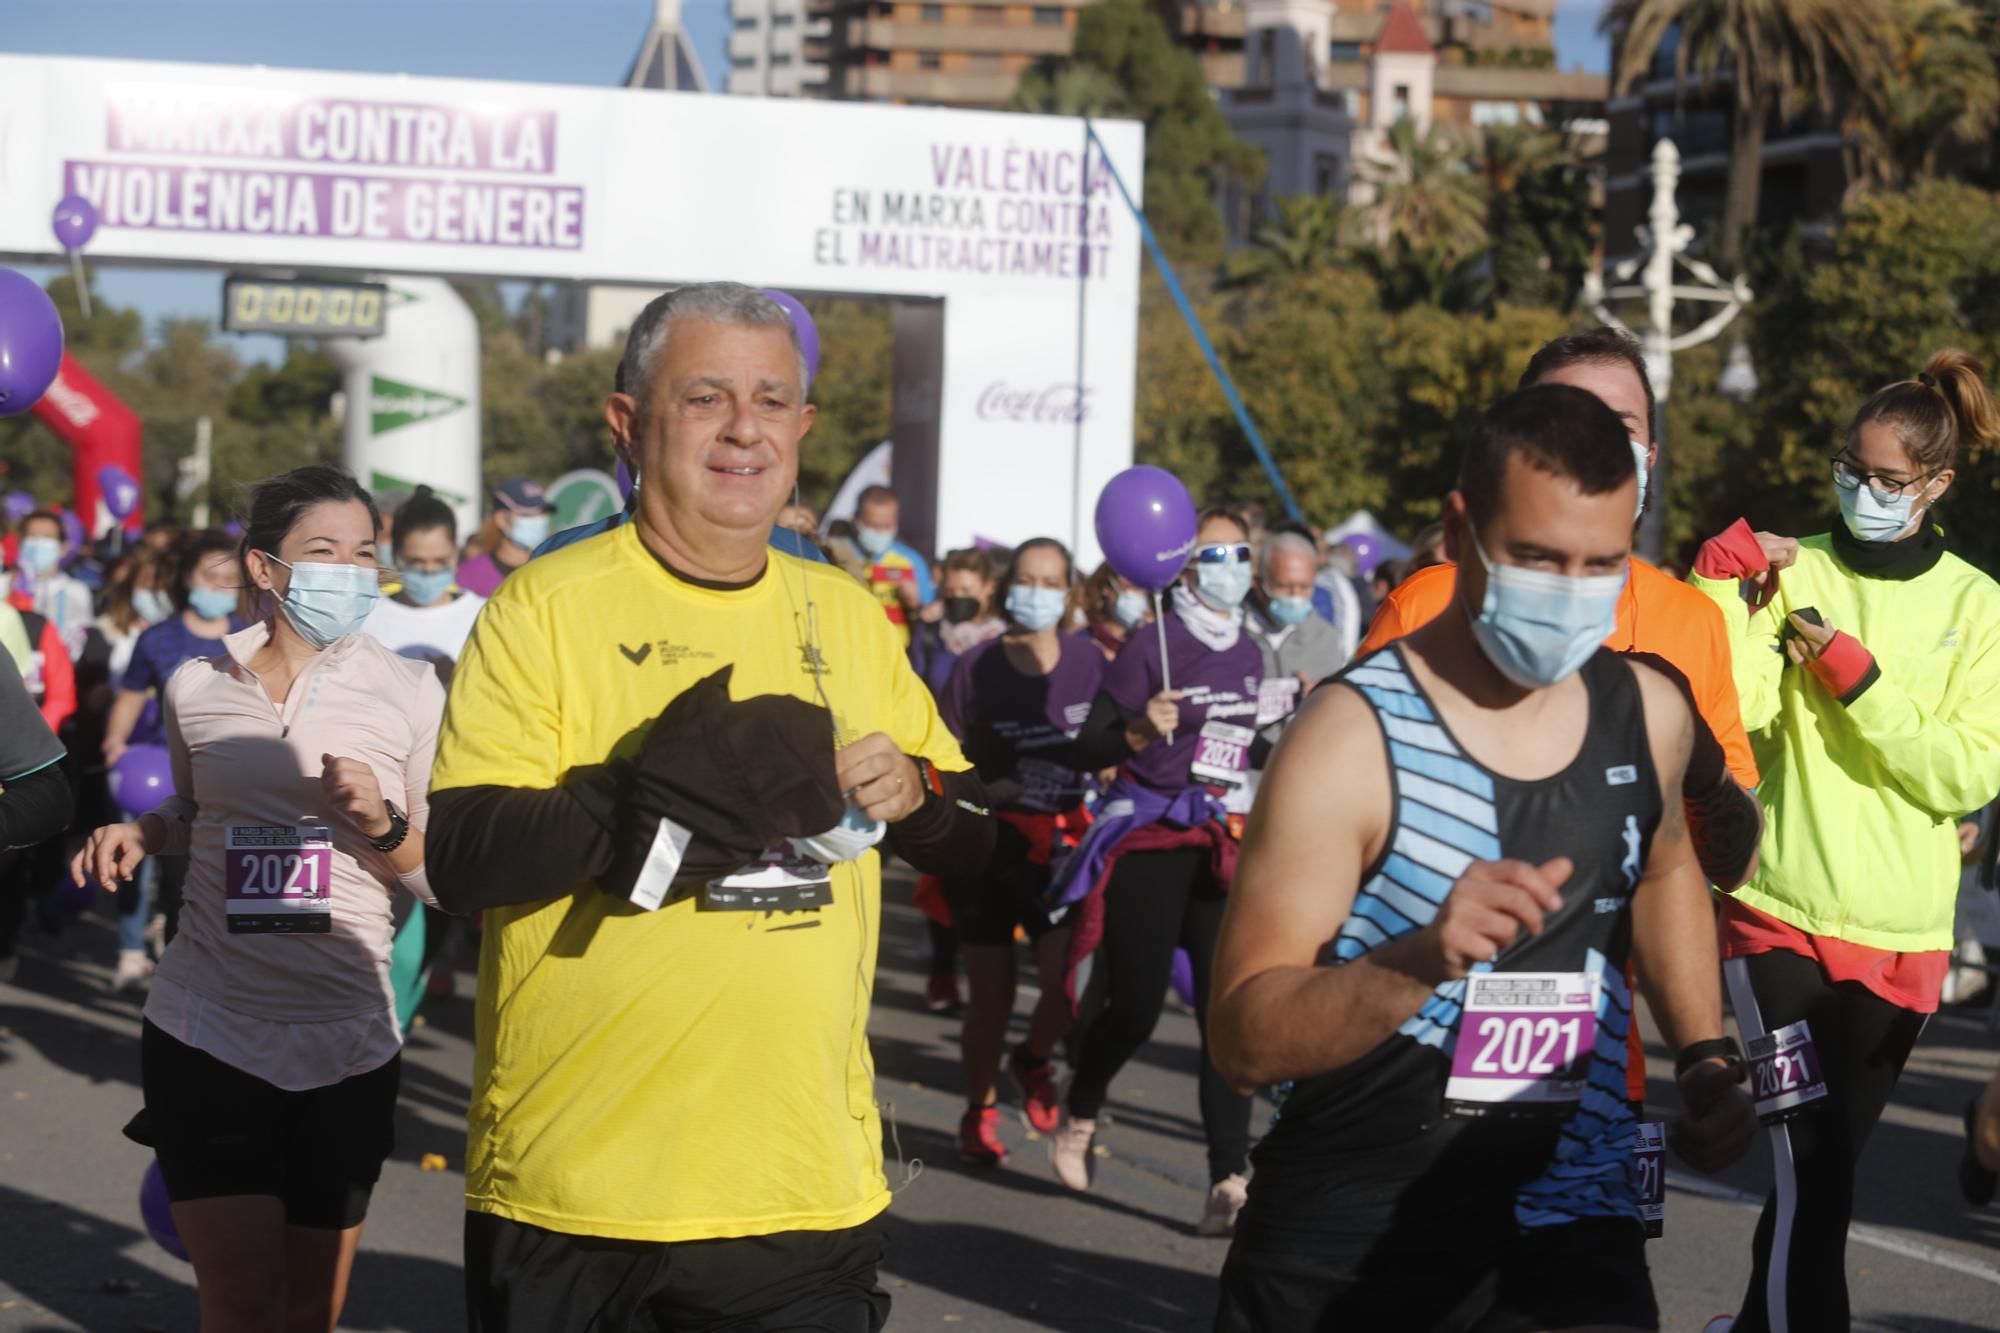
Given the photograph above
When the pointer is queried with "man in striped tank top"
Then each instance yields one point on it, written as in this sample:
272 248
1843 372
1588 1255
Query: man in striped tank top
1454 852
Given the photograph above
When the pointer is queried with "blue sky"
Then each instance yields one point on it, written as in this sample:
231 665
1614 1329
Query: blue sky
551 41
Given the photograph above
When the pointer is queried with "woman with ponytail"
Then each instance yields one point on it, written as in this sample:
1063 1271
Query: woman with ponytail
1868 662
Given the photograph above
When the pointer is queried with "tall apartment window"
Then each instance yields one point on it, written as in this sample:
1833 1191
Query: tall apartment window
928 60
1399 97
933 13
1343 51
1266 72
1326 172
1048 16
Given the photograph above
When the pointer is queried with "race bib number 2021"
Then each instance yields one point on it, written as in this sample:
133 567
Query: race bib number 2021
278 879
1525 1041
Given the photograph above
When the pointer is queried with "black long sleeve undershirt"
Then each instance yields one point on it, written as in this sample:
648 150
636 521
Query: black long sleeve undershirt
952 835
500 846
35 807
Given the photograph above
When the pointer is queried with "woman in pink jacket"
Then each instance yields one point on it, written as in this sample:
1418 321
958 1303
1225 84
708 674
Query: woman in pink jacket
270 1053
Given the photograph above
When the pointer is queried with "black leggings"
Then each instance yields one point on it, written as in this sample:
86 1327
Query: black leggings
1155 903
1798 1278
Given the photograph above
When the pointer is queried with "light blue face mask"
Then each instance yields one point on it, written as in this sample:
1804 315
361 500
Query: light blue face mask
40 554
1224 585
1873 518
875 542
212 603
151 605
1291 610
1035 609
326 602
529 530
1536 627
425 586
1131 608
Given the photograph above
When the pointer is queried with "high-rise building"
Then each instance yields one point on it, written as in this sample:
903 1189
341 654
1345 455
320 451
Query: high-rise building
966 53
776 49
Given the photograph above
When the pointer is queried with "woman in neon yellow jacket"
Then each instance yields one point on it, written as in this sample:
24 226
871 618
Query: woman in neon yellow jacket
1868 663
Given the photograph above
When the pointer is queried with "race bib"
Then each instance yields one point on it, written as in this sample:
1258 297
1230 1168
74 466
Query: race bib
1277 699
1222 754
781 880
1525 1041
278 879
1784 1072
1047 786
1649 1168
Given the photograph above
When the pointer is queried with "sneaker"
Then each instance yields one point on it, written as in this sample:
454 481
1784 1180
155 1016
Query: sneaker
1069 1153
1225 1200
979 1137
156 934
133 970
941 992
1036 1084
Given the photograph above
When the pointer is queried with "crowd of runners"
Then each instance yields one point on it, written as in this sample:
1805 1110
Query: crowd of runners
1414 875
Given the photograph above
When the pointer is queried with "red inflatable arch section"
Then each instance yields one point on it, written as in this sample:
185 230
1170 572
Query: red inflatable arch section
101 431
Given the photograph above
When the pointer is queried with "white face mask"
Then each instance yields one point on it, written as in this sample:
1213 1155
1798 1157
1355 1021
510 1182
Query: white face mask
326 602
1639 457
845 841
151 605
529 530
875 541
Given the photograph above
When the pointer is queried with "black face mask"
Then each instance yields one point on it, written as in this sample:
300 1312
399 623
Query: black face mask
958 610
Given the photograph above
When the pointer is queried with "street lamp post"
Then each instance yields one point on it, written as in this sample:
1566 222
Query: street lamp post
1664 240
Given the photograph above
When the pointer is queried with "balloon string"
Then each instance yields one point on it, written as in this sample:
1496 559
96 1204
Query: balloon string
1166 670
82 287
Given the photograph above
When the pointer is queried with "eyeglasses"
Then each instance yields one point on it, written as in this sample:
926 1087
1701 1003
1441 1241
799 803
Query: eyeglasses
1849 477
1222 555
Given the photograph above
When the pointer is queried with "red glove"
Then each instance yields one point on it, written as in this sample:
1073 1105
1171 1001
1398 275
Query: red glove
1735 553
1845 667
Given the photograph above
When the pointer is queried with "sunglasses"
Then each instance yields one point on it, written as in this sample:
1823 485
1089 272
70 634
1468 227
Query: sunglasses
1222 555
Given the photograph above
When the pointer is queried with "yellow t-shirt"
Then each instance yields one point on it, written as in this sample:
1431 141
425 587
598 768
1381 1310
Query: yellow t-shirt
678 1074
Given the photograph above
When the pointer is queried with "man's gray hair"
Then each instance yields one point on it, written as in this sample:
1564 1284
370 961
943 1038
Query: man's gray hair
1278 543
708 302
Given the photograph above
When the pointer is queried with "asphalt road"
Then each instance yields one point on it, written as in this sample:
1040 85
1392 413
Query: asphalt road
999 1250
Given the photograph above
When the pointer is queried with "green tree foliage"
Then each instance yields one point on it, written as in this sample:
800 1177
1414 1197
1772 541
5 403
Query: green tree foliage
1941 94
1190 153
1782 56
1539 213
1426 193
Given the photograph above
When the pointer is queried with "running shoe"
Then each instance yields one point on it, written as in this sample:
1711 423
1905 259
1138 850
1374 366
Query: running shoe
979 1138
1225 1200
1036 1084
1975 1182
133 970
941 992
1069 1152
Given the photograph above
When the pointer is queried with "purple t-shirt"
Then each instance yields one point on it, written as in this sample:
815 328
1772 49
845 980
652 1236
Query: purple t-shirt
482 574
1216 686
1003 718
157 655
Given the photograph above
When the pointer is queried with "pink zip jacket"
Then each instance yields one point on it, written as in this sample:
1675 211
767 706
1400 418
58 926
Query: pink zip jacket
281 966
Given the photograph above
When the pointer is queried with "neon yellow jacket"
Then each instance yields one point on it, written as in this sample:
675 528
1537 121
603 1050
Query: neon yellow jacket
1862 800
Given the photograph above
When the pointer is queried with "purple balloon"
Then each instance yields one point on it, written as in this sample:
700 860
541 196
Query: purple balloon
71 898
31 342
141 779
158 1212
1146 525
1183 977
1367 554
808 331
75 222
18 505
121 493
72 526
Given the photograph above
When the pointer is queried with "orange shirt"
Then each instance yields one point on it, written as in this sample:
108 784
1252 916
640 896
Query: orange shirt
1657 614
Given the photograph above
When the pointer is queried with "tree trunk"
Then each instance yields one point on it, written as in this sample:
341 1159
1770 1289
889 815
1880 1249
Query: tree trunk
1746 179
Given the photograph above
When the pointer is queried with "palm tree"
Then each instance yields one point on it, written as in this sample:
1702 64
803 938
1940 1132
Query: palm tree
1944 91
1778 55
1509 154
1304 238
1425 191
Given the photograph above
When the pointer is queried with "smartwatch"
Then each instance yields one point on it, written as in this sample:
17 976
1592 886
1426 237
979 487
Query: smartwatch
927 773
399 829
1715 1048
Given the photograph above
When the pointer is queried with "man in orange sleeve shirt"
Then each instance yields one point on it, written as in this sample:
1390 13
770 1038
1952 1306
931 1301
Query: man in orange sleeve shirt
1657 614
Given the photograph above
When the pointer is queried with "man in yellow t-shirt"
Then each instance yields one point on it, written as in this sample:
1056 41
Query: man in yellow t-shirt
667 754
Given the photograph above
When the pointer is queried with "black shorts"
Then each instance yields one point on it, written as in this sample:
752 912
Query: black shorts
1585 1273
219 1131
986 907
523 1279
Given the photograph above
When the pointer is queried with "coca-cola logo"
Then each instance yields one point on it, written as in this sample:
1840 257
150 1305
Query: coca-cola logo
1060 404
